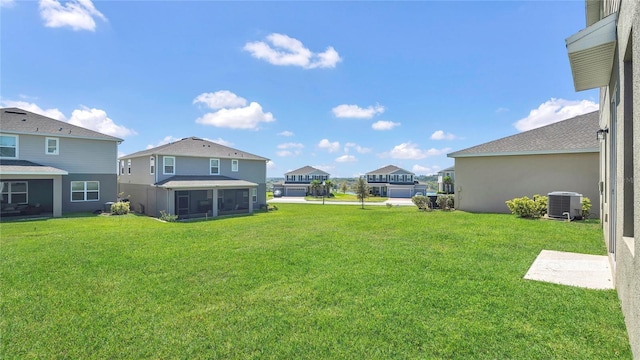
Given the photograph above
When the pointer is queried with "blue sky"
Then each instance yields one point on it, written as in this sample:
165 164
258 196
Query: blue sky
347 87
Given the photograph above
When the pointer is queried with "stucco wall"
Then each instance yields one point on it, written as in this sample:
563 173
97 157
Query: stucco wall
483 184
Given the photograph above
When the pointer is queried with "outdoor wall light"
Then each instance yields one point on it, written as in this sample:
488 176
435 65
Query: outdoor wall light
600 133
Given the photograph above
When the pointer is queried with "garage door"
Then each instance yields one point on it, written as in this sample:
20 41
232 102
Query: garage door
296 192
399 193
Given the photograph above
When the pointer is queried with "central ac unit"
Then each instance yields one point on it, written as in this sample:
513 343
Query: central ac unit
564 205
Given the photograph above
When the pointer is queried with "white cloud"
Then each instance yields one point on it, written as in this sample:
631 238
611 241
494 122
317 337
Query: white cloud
290 149
346 158
384 125
554 110
7 3
231 111
280 49
52 113
329 146
290 146
286 133
326 168
165 140
356 112
502 110
412 152
220 100
424 170
359 149
77 14
440 135
96 119
270 164
220 141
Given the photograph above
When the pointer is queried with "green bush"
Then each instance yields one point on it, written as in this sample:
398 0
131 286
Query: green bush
421 201
586 207
445 202
120 208
528 208
165 216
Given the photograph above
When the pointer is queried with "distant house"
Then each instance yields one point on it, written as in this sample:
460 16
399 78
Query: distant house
298 182
442 186
394 182
604 55
51 167
193 177
559 157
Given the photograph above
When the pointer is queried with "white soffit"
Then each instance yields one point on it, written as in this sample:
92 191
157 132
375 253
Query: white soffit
591 52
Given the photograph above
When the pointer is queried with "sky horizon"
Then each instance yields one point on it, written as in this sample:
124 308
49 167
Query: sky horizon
345 87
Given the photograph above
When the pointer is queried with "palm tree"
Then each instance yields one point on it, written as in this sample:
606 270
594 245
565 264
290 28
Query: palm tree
448 183
362 190
328 184
315 185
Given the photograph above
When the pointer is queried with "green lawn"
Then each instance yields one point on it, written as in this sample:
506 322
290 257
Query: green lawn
302 282
346 197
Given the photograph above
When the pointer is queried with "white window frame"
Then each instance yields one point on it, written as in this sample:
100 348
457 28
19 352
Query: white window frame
129 167
152 165
85 191
8 191
234 165
46 146
211 166
16 147
254 194
164 165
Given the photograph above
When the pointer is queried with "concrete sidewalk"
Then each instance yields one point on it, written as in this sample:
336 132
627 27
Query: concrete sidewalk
301 200
564 268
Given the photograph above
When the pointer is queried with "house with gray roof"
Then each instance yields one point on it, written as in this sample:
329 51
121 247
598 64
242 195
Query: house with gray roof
193 178
562 156
394 182
51 167
444 187
298 182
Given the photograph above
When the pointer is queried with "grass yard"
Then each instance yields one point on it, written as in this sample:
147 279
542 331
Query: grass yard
303 282
338 196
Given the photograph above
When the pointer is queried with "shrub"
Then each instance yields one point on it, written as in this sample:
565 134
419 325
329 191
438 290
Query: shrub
120 208
445 202
528 208
422 202
586 207
164 216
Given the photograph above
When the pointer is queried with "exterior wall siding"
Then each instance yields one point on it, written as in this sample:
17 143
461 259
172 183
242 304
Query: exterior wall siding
108 192
78 156
484 184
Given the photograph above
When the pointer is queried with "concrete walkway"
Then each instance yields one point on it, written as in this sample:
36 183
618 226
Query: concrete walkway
301 200
564 268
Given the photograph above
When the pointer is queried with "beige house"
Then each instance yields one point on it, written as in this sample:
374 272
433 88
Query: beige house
602 56
559 157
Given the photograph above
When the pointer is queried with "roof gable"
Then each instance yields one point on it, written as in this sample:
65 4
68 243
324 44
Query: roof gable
307 170
574 135
18 121
390 169
196 147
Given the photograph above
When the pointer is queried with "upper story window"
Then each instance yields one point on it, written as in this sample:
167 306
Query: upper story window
254 194
85 191
169 165
9 146
129 167
234 165
121 167
152 165
214 166
52 146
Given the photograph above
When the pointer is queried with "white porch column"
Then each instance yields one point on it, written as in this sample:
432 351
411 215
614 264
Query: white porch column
57 196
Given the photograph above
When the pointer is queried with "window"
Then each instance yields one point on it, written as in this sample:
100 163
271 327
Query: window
169 165
214 166
129 167
152 165
85 191
254 194
13 192
8 146
234 165
121 167
51 146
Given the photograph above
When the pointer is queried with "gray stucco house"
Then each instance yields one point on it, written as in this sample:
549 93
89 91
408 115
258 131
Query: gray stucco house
604 55
558 157
442 174
193 178
298 182
394 182
51 167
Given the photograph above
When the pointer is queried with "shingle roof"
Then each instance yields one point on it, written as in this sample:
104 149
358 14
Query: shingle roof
24 167
193 146
306 170
577 134
18 121
389 169
186 181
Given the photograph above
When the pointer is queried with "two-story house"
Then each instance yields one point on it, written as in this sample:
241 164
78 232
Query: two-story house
299 182
193 178
446 185
394 182
52 167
